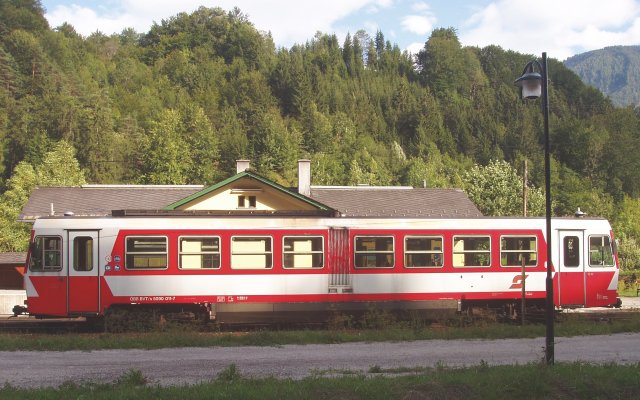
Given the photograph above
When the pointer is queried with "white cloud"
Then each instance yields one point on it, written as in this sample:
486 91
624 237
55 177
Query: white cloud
288 21
420 6
561 28
375 6
419 24
86 20
414 48
371 26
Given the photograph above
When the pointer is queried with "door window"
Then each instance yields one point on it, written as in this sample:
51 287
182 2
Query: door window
571 247
83 253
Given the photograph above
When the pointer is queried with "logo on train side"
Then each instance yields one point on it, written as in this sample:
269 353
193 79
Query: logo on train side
517 282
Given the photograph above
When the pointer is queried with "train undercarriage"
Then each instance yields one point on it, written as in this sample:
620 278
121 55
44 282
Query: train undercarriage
146 317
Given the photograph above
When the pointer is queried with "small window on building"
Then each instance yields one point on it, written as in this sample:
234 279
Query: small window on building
146 252
515 249
374 252
600 251
83 253
303 252
571 248
423 251
199 252
471 251
247 201
251 252
46 254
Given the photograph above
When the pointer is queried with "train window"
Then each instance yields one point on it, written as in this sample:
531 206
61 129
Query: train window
423 251
571 249
514 249
46 254
303 252
374 252
83 253
251 252
146 252
600 251
199 252
471 251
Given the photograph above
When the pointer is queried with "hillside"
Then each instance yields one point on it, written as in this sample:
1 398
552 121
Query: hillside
613 70
180 103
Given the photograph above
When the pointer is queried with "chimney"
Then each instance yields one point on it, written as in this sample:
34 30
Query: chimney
241 166
304 177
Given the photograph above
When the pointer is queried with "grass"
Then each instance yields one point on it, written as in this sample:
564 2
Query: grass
191 336
531 381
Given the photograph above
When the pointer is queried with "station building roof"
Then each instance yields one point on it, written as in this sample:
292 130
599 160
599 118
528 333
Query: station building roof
345 201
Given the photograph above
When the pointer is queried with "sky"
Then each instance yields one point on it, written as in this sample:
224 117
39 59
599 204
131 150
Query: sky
561 28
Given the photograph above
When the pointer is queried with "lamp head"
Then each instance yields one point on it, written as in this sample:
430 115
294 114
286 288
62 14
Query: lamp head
531 84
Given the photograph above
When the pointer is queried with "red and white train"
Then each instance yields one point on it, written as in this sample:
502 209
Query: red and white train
235 268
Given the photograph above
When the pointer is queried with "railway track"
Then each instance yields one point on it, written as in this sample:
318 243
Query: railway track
30 325
47 326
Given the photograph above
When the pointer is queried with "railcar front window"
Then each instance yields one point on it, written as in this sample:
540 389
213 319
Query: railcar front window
199 253
146 252
46 254
374 252
423 251
303 252
515 249
471 251
600 251
251 253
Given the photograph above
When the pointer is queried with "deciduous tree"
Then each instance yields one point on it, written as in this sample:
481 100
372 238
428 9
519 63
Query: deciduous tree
496 189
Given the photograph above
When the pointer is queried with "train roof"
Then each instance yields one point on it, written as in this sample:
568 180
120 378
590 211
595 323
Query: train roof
172 220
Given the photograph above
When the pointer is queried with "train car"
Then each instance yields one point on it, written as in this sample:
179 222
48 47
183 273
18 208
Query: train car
241 268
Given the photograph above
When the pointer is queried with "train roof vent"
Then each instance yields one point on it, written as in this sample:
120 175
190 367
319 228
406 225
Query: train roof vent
579 213
68 214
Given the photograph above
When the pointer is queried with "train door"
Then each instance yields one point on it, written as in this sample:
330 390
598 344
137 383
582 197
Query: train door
338 260
83 287
571 269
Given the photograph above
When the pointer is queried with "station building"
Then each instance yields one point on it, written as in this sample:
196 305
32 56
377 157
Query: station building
245 193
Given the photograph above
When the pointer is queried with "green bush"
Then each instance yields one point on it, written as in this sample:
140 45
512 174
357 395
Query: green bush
229 374
132 377
629 254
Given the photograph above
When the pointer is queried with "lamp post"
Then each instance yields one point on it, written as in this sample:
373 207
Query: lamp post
535 85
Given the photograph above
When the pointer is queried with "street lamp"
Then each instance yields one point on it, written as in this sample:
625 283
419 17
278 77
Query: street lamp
535 85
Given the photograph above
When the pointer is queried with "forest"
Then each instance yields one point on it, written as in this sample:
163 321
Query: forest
614 70
180 103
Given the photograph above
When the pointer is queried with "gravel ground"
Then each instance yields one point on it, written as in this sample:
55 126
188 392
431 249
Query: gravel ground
192 365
